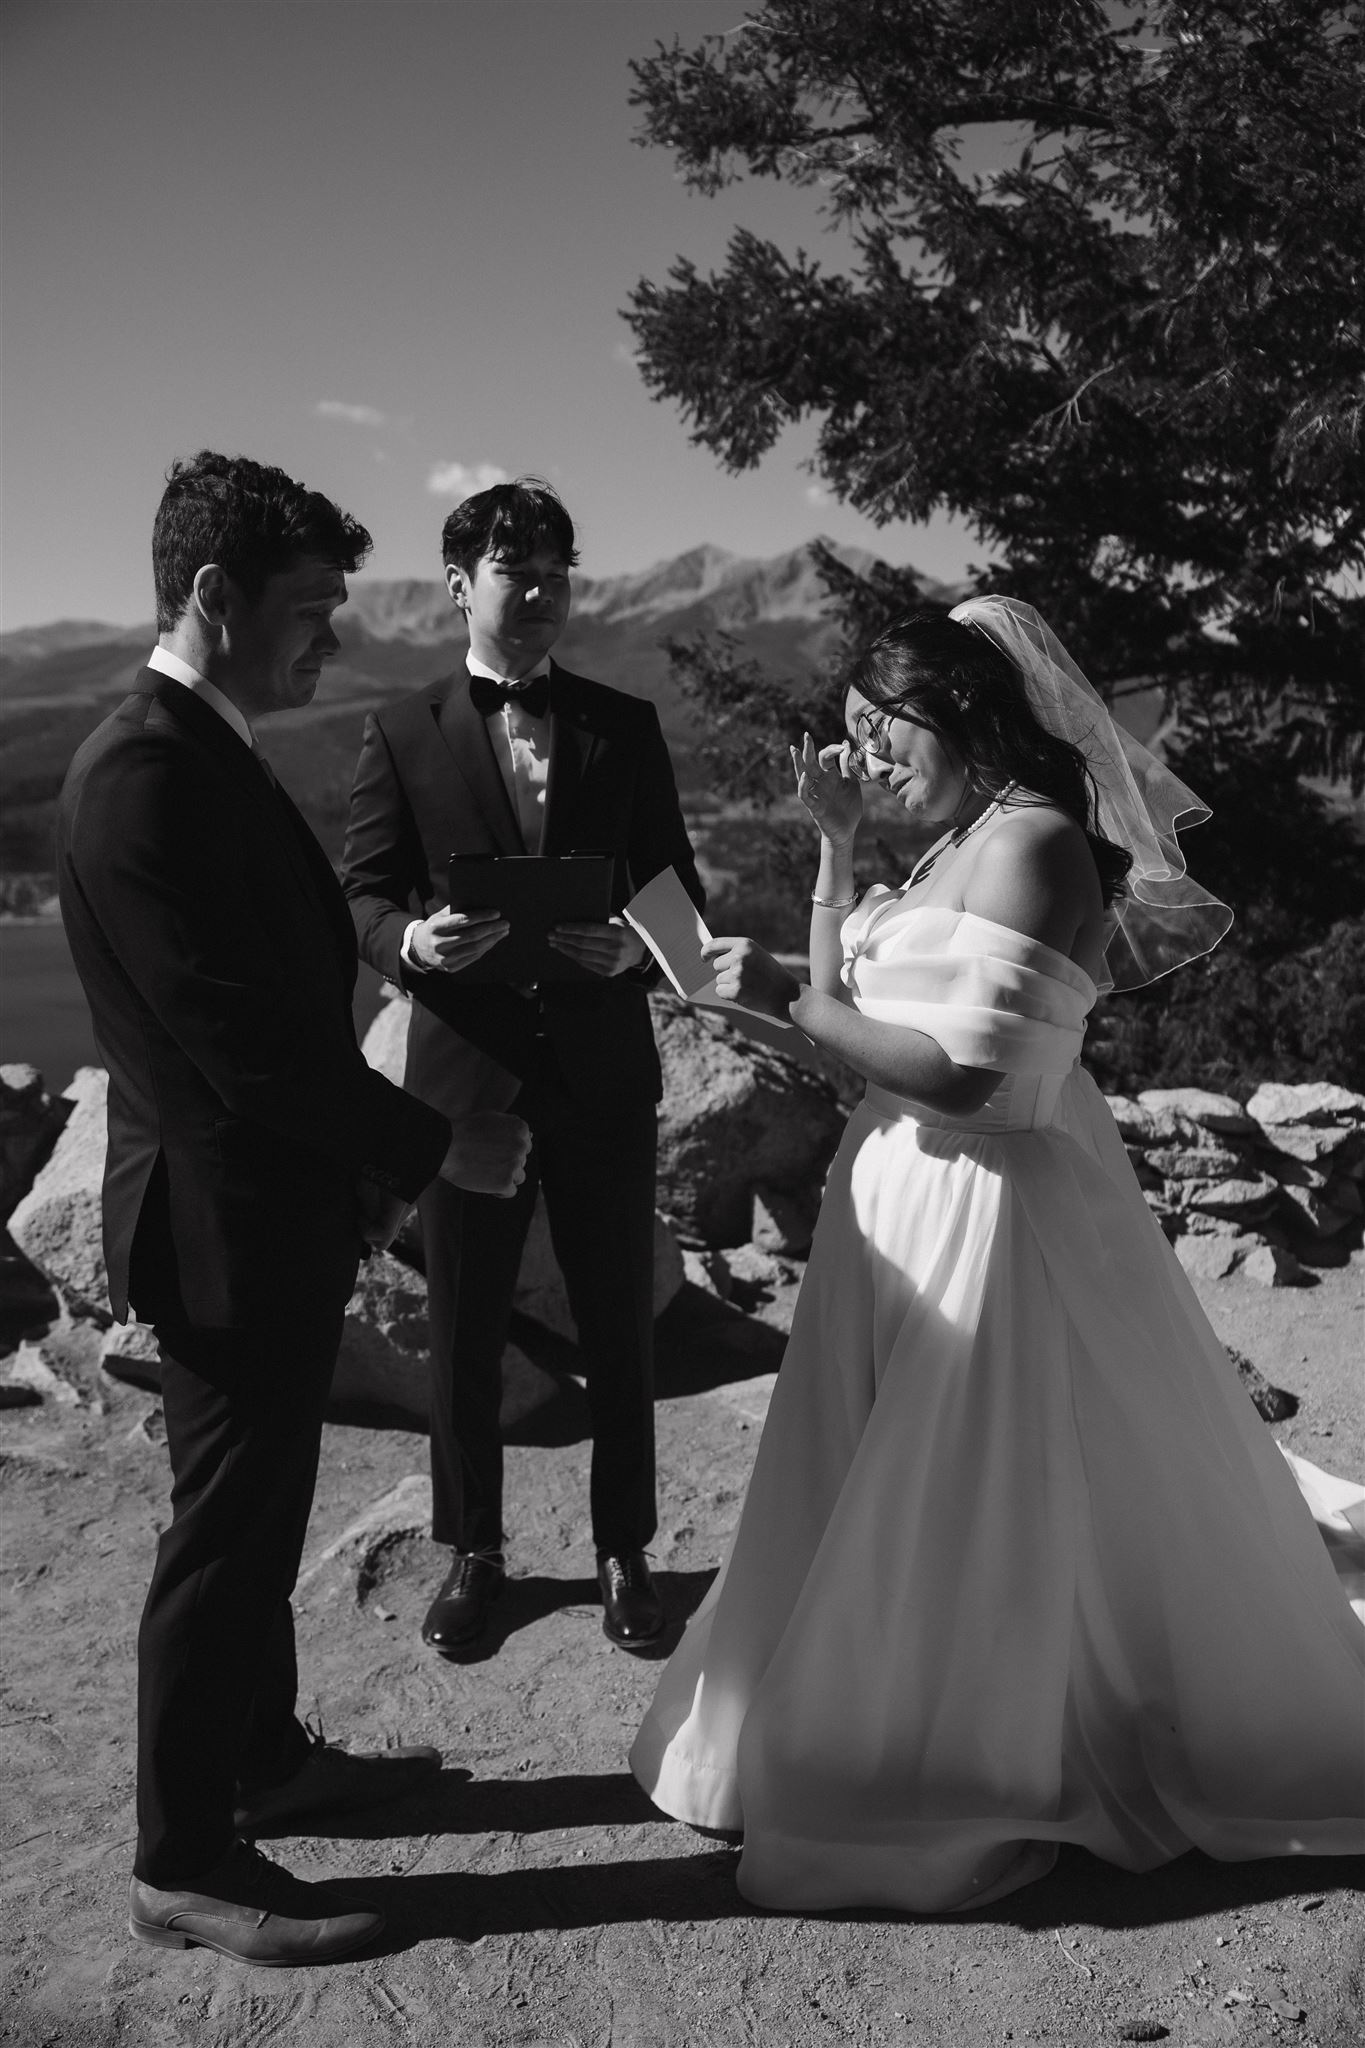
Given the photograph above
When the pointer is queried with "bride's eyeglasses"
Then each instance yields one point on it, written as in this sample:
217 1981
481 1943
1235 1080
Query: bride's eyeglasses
871 735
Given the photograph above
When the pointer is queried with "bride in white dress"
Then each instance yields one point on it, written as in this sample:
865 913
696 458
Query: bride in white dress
1019 1563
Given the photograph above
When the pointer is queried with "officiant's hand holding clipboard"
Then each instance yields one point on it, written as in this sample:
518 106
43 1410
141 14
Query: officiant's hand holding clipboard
530 894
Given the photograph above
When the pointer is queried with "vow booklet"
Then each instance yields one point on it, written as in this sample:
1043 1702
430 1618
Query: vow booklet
675 931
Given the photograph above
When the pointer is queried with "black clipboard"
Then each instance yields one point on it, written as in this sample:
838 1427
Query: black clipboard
534 892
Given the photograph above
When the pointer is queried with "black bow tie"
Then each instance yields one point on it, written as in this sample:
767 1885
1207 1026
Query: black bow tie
487 695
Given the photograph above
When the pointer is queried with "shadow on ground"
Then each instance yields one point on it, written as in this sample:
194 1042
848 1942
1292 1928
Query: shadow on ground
701 1887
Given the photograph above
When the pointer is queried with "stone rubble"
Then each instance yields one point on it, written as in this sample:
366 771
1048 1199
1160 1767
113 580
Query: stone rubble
1263 1188
30 1368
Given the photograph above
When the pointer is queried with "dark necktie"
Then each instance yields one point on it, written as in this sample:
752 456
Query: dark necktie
488 695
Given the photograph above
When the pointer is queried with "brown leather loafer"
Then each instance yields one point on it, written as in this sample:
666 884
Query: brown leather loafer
632 1612
332 1781
459 1612
249 1908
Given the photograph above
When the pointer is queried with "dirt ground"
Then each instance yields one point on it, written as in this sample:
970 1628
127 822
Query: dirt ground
534 1897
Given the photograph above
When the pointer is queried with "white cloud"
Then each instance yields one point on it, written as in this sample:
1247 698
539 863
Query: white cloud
462 479
816 494
625 352
354 415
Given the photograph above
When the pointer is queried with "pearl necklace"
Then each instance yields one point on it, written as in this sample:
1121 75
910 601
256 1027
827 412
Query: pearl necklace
956 838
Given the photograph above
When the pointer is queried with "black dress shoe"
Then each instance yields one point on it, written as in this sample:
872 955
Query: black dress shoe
458 1613
248 1908
632 1612
332 1781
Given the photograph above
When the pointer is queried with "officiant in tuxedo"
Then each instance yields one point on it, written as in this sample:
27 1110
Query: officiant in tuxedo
253 1156
513 754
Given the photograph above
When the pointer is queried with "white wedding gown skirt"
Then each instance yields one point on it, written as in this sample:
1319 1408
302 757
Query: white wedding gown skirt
1019 1563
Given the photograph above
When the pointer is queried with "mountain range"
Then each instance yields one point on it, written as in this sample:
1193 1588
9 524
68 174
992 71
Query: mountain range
57 681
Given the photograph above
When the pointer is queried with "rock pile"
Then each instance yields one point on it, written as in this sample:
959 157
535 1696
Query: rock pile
1267 1189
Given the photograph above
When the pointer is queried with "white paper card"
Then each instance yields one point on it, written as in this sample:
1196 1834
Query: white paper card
675 931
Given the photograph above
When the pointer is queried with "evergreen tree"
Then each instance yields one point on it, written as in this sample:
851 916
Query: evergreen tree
1131 356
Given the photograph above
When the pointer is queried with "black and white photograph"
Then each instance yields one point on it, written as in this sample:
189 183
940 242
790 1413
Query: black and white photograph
682 1023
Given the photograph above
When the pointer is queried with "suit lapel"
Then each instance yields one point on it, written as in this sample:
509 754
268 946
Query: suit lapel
572 745
470 752
271 807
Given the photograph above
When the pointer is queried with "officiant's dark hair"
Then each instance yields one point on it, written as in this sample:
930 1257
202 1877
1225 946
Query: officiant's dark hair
959 685
509 522
250 519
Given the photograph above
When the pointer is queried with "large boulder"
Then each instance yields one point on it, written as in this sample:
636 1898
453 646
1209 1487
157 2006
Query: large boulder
31 1121
738 1119
57 1224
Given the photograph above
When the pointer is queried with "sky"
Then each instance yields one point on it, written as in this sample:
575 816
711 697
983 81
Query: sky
382 243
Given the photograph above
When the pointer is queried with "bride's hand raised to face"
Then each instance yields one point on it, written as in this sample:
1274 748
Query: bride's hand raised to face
825 786
746 974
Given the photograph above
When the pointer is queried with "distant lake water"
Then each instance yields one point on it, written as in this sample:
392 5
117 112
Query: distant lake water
44 1021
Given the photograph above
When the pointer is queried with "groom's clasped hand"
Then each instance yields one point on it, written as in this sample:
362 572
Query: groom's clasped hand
488 1153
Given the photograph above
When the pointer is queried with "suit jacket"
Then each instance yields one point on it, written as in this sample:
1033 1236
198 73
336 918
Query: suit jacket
219 963
428 786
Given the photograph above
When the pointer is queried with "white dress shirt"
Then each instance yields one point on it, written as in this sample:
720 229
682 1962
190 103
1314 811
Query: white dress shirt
168 664
521 748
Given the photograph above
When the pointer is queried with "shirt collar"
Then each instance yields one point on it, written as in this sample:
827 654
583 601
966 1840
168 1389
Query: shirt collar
481 668
167 664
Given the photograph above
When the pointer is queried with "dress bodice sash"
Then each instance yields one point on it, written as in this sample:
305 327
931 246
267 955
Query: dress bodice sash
1022 1102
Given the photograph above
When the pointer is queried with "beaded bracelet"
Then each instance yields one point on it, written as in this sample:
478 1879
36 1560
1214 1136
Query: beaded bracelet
832 902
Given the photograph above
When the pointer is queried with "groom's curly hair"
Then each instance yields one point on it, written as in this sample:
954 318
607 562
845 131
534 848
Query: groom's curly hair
250 519
509 522
959 685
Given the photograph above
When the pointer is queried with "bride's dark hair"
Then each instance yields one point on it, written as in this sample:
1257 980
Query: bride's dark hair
959 685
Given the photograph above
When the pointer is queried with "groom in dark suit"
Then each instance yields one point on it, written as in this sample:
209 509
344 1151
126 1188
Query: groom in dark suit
253 1156
511 755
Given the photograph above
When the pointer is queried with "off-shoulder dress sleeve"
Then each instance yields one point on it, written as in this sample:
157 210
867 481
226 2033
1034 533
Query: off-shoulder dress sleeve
991 997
